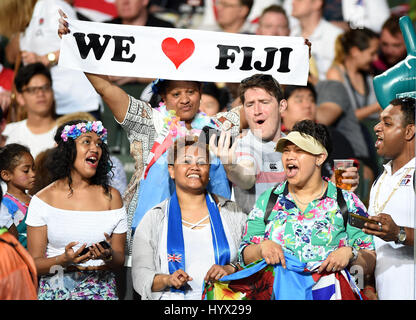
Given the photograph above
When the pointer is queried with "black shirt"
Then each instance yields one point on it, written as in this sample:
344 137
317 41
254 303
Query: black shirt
152 21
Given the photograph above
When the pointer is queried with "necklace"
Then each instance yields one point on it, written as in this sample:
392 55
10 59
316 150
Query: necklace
197 224
306 203
379 208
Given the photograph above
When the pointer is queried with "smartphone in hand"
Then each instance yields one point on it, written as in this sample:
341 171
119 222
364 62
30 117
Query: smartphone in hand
358 221
103 243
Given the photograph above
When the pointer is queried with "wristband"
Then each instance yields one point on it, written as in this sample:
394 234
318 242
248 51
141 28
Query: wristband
234 266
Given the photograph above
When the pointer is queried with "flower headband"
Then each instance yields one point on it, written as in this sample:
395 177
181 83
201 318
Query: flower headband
75 130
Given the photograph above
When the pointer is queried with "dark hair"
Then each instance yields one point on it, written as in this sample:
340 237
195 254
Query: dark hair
407 105
359 38
290 89
276 9
248 4
160 85
26 73
43 176
319 131
63 156
264 81
10 156
185 142
392 25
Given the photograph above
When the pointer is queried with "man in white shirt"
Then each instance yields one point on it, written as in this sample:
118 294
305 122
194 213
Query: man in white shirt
392 202
321 33
34 91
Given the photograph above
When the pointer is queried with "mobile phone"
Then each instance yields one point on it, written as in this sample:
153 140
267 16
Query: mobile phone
358 221
103 243
208 132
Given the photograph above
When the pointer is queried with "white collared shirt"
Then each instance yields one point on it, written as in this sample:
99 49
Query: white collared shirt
323 44
395 270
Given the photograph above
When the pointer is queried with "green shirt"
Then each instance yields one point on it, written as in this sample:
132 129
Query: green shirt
310 235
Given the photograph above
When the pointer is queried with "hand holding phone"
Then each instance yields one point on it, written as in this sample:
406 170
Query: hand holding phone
103 243
358 221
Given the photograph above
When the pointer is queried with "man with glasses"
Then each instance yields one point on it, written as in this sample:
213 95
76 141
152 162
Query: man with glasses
34 92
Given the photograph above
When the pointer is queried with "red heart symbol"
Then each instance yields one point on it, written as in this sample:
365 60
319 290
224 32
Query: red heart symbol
178 52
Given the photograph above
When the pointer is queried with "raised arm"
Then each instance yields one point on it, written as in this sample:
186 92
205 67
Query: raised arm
116 98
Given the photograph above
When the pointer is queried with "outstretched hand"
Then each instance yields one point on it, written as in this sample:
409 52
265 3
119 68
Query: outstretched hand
224 150
63 24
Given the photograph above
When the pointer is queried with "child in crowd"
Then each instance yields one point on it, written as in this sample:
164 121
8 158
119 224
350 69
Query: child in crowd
17 170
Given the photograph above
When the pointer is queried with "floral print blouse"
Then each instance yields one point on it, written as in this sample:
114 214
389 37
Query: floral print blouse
310 235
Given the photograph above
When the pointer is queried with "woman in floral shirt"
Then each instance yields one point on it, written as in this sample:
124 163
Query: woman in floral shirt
306 221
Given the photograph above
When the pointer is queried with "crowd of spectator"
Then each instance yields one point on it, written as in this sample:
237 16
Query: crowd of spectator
43 157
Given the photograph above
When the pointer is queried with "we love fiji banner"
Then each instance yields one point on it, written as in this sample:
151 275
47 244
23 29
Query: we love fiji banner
181 54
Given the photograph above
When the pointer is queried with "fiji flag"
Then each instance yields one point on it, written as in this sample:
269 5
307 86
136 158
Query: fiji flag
259 281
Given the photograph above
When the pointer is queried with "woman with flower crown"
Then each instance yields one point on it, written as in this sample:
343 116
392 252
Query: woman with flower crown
76 226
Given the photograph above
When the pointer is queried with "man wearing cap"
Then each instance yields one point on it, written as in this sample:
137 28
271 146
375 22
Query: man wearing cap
252 164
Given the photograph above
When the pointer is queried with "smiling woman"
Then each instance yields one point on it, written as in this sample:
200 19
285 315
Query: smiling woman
168 262
81 196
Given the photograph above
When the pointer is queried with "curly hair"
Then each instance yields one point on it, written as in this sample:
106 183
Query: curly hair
63 157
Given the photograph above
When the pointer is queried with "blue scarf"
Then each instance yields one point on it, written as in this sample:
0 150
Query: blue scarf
175 242
292 283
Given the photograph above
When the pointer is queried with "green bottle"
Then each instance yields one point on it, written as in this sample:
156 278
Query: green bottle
400 80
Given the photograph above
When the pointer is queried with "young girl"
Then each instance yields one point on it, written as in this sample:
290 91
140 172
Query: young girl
17 170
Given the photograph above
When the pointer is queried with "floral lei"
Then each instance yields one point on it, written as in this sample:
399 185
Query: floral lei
177 128
75 130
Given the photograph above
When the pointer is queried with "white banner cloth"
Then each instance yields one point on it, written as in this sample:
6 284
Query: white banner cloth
181 54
